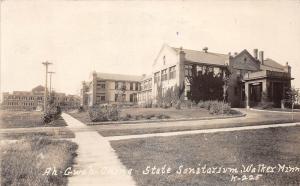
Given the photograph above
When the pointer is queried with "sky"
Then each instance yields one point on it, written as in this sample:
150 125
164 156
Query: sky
125 36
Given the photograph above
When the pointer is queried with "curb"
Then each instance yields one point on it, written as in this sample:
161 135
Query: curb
275 111
164 120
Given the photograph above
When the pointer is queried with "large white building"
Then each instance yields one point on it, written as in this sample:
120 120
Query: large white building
253 78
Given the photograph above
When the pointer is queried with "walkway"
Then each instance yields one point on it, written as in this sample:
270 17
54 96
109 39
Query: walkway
229 129
96 159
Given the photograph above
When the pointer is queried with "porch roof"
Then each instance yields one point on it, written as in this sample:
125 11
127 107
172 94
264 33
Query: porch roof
267 74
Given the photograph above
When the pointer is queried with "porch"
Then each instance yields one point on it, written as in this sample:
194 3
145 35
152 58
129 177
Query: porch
266 86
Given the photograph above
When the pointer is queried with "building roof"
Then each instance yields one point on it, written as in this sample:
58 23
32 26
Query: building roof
38 88
270 64
118 77
204 57
146 77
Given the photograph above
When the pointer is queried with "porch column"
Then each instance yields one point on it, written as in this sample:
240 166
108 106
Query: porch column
265 92
247 95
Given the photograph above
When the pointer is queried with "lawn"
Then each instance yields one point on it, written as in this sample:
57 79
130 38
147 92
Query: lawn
118 131
58 133
225 149
24 162
147 113
25 119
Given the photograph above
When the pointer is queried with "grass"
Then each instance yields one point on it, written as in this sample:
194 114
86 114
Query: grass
25 161
227 149
153 113
55 134
25 119
147 130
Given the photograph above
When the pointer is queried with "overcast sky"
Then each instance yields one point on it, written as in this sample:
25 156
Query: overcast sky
125 36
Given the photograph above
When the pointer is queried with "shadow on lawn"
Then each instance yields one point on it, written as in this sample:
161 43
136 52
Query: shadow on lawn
227 149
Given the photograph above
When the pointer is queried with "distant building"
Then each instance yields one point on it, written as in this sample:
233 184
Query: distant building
110 88
145 93
34 99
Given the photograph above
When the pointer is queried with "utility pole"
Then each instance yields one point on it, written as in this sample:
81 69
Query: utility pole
50 73
46 63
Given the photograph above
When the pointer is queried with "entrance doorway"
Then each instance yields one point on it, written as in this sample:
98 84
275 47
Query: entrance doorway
255 91
277 93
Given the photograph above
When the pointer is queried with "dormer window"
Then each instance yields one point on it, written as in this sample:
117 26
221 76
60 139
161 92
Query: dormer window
245 60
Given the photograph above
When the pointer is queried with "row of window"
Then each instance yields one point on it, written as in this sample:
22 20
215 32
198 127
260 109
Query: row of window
119 85
23 103
118 98
165 74
201 69
146 85
21 97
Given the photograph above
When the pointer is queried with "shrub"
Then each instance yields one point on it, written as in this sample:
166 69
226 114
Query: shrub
188 103
201 104
149 116
178 105
154 105
162 116
148 104
80 109
104 113
217 107
52 113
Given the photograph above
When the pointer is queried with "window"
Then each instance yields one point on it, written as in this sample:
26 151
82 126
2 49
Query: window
119 85
102 98
164 75
136 86
172 72
156 77
188 70
131 86
131 98
116 97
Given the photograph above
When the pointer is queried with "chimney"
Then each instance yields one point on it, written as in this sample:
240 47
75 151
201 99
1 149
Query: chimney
205 49
287 68
255 52
261 57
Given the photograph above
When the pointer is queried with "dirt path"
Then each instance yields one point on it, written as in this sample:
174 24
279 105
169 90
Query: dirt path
96 159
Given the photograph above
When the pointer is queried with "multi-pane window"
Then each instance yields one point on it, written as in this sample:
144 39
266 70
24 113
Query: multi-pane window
131 86
136 86
131 98
101 84
164 75
156 77
119 85
172 72
188 70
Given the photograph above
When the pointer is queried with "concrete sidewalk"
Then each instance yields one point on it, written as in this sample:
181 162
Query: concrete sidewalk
228 129
97 163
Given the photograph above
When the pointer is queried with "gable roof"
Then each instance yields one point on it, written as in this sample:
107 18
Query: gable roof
248 54
118 77
270 64
204 57
38 88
